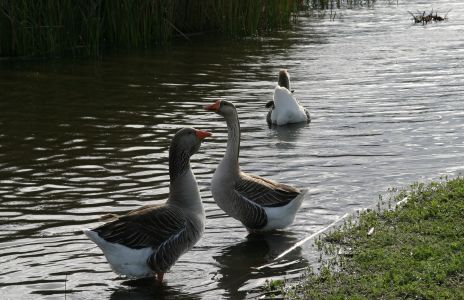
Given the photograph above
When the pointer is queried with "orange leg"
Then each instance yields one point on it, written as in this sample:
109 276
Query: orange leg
252 231
159 277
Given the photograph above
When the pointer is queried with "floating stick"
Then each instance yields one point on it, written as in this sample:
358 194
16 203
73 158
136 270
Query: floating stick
310 237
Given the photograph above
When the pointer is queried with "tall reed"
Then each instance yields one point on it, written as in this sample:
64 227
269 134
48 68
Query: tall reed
332 4
57 27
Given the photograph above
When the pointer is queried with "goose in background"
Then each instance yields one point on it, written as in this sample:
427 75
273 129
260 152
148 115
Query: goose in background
285 108
150 239
259 203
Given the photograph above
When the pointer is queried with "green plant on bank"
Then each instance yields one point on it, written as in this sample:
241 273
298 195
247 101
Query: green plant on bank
414 251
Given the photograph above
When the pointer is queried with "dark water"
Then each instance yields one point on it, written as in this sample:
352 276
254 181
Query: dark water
79 139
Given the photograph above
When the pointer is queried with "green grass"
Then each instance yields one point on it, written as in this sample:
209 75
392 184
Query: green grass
416 251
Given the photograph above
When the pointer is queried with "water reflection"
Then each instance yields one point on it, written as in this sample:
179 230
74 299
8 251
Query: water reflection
80 139
238 263
142 289
289 133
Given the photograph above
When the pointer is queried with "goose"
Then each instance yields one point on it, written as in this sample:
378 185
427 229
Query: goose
260 204
150 239
285 108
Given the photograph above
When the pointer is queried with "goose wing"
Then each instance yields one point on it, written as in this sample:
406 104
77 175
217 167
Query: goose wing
148 226
308 116
269 117
265 192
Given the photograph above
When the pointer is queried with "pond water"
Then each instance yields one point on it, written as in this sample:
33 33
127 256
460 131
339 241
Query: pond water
79 139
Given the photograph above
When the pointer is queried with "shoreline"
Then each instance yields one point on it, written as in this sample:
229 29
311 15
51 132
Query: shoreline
414 250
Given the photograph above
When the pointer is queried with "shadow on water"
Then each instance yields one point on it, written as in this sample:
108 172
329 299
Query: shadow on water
147 288
239 264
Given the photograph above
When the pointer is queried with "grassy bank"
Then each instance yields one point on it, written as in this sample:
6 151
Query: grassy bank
415 251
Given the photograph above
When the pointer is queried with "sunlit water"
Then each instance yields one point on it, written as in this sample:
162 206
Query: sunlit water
79 139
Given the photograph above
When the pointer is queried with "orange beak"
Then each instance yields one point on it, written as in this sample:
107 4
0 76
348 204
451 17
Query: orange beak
202 134
213 107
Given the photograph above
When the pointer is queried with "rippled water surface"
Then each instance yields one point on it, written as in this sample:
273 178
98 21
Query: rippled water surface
79 139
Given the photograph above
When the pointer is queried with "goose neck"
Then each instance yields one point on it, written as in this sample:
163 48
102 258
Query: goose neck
184 193
233 140
179 163
183 188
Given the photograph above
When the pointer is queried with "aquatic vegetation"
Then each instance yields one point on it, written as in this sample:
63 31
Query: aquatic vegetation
421 17
45 28
58 27
415 250
332 4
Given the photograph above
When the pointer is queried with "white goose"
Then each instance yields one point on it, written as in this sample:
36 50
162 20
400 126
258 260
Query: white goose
259 203
150 239
285 108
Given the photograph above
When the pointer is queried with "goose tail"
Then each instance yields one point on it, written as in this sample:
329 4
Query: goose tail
281 217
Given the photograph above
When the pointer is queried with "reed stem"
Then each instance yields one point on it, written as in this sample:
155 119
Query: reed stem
86 28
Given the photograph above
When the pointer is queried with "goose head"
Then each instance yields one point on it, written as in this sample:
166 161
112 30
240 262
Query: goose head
188 140
284 79
222 107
